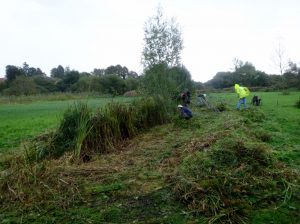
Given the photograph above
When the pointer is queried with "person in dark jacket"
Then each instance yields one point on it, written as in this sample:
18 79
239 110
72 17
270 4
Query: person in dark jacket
185 112
186 97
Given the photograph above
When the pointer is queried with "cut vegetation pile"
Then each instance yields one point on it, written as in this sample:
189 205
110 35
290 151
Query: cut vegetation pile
228 176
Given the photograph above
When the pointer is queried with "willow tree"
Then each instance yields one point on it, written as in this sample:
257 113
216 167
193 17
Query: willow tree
162 41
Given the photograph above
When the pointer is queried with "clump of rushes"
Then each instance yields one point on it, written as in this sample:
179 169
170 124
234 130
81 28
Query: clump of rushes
84 132
151 111
73 129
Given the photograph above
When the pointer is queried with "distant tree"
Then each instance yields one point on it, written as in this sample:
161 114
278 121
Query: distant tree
45 84
71 77
31 71
162 41
98 72
237 63
292 75
117 70
132 83
12 72
243 74
113 84
82 85
132 74
21 85
280 58
292 68
58 72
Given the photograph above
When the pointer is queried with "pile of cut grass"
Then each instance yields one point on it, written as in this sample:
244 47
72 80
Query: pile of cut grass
226 176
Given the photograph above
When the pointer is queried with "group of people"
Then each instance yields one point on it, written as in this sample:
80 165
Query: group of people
242 92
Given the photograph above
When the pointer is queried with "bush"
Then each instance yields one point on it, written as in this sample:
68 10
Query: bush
298 104
286 92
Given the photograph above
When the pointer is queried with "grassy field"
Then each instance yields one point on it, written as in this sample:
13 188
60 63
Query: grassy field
155 177
21 121
282 120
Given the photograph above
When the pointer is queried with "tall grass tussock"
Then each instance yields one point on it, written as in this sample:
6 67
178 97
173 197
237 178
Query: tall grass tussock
85 132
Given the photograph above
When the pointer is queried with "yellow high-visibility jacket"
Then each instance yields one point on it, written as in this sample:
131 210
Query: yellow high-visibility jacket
241 91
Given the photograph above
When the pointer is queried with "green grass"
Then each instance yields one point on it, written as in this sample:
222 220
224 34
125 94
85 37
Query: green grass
134 184
20 122
282 120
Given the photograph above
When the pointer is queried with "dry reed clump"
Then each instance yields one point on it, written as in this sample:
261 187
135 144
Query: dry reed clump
51 189
69 136
83 132
225 183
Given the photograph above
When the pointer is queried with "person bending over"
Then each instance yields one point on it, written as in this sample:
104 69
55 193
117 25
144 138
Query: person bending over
185 112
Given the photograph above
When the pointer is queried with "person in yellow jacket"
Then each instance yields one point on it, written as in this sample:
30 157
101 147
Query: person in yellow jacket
242 92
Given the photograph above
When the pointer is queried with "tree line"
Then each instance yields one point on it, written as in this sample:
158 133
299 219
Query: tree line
246 74
26 80
163 72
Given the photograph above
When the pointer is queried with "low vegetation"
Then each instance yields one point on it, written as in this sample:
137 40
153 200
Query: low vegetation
85 132
218 167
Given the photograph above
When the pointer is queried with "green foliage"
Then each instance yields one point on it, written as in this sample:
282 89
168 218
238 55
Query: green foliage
83 132
220 170
112 84
73 129
297 104
150 112
245 74
58 72
286 92
160 80
21 85
255 114
163 42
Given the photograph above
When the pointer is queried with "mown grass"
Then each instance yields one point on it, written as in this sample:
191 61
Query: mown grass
252 169
20 122
282 122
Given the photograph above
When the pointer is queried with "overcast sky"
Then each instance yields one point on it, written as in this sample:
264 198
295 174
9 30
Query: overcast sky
88 34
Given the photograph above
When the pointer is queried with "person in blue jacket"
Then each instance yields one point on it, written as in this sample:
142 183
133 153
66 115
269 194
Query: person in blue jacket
185 112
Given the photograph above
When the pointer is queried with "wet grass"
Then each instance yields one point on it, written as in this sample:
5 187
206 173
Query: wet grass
20 122
251 157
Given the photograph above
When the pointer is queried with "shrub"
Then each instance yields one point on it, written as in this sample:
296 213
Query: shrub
297 103
286 92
